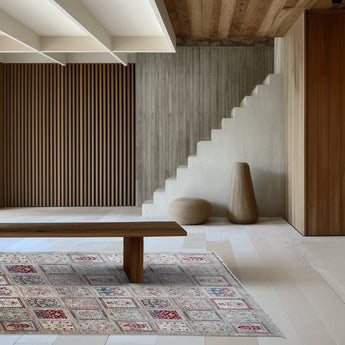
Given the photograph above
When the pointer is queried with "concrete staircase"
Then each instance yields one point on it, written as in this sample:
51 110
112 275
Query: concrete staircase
253 133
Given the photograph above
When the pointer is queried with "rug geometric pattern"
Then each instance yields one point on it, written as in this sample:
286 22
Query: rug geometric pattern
89 293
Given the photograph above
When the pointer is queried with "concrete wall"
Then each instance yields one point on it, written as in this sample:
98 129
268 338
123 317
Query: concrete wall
254 134
181 97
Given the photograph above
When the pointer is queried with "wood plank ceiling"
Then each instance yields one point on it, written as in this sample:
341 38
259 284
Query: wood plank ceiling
238 18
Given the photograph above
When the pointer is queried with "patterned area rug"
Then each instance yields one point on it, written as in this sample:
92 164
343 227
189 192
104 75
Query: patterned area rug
89 293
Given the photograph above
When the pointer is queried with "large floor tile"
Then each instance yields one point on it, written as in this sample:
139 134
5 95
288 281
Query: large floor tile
132 340
180 340
81 340
231 341
45 339
8 339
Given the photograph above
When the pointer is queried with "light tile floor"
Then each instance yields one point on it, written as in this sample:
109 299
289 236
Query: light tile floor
299 281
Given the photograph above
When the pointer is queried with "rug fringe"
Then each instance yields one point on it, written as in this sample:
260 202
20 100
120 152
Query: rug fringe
248 292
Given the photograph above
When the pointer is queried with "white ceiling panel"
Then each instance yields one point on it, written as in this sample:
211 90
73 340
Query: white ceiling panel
42 17
125 17
69 31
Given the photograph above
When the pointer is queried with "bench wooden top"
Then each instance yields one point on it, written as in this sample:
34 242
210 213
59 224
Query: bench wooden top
99 229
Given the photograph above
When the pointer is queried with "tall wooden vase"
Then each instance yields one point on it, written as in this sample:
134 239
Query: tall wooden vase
242 203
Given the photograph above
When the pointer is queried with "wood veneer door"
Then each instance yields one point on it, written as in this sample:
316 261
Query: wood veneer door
325 173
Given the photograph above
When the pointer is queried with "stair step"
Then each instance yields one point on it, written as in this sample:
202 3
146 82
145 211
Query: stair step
246 100
215 133
181 171
148 209
170 184
236 111
191 160
159 196
255 91
203 147
267 80
226 121
272 78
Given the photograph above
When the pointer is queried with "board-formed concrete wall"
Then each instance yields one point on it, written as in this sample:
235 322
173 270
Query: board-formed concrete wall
254 134
181 97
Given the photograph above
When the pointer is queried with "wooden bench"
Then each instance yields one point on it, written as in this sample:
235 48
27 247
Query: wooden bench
133 234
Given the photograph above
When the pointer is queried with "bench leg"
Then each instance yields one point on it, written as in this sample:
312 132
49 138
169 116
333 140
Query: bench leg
133 258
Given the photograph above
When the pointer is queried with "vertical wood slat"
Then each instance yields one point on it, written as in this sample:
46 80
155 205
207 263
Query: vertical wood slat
67 135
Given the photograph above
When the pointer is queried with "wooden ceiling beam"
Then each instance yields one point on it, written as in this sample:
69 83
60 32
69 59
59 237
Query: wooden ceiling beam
271 14
254 16
211 14
25 36
288 16
195 12
227 12
81 16
170 6
183 18
240 12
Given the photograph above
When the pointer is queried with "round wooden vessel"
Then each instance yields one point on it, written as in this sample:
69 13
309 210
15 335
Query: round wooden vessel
242 203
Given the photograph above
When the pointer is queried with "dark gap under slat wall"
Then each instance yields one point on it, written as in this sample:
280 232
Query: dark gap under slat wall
67 135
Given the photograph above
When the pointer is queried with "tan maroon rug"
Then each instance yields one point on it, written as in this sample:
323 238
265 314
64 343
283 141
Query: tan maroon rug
89 293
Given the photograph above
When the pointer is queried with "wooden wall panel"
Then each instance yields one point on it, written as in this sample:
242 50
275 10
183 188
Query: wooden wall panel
326 124
314 75
294 102
69 135
181 97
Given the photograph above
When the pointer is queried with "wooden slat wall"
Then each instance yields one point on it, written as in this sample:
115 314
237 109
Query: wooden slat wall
326 124
294 102
69 135
181 97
